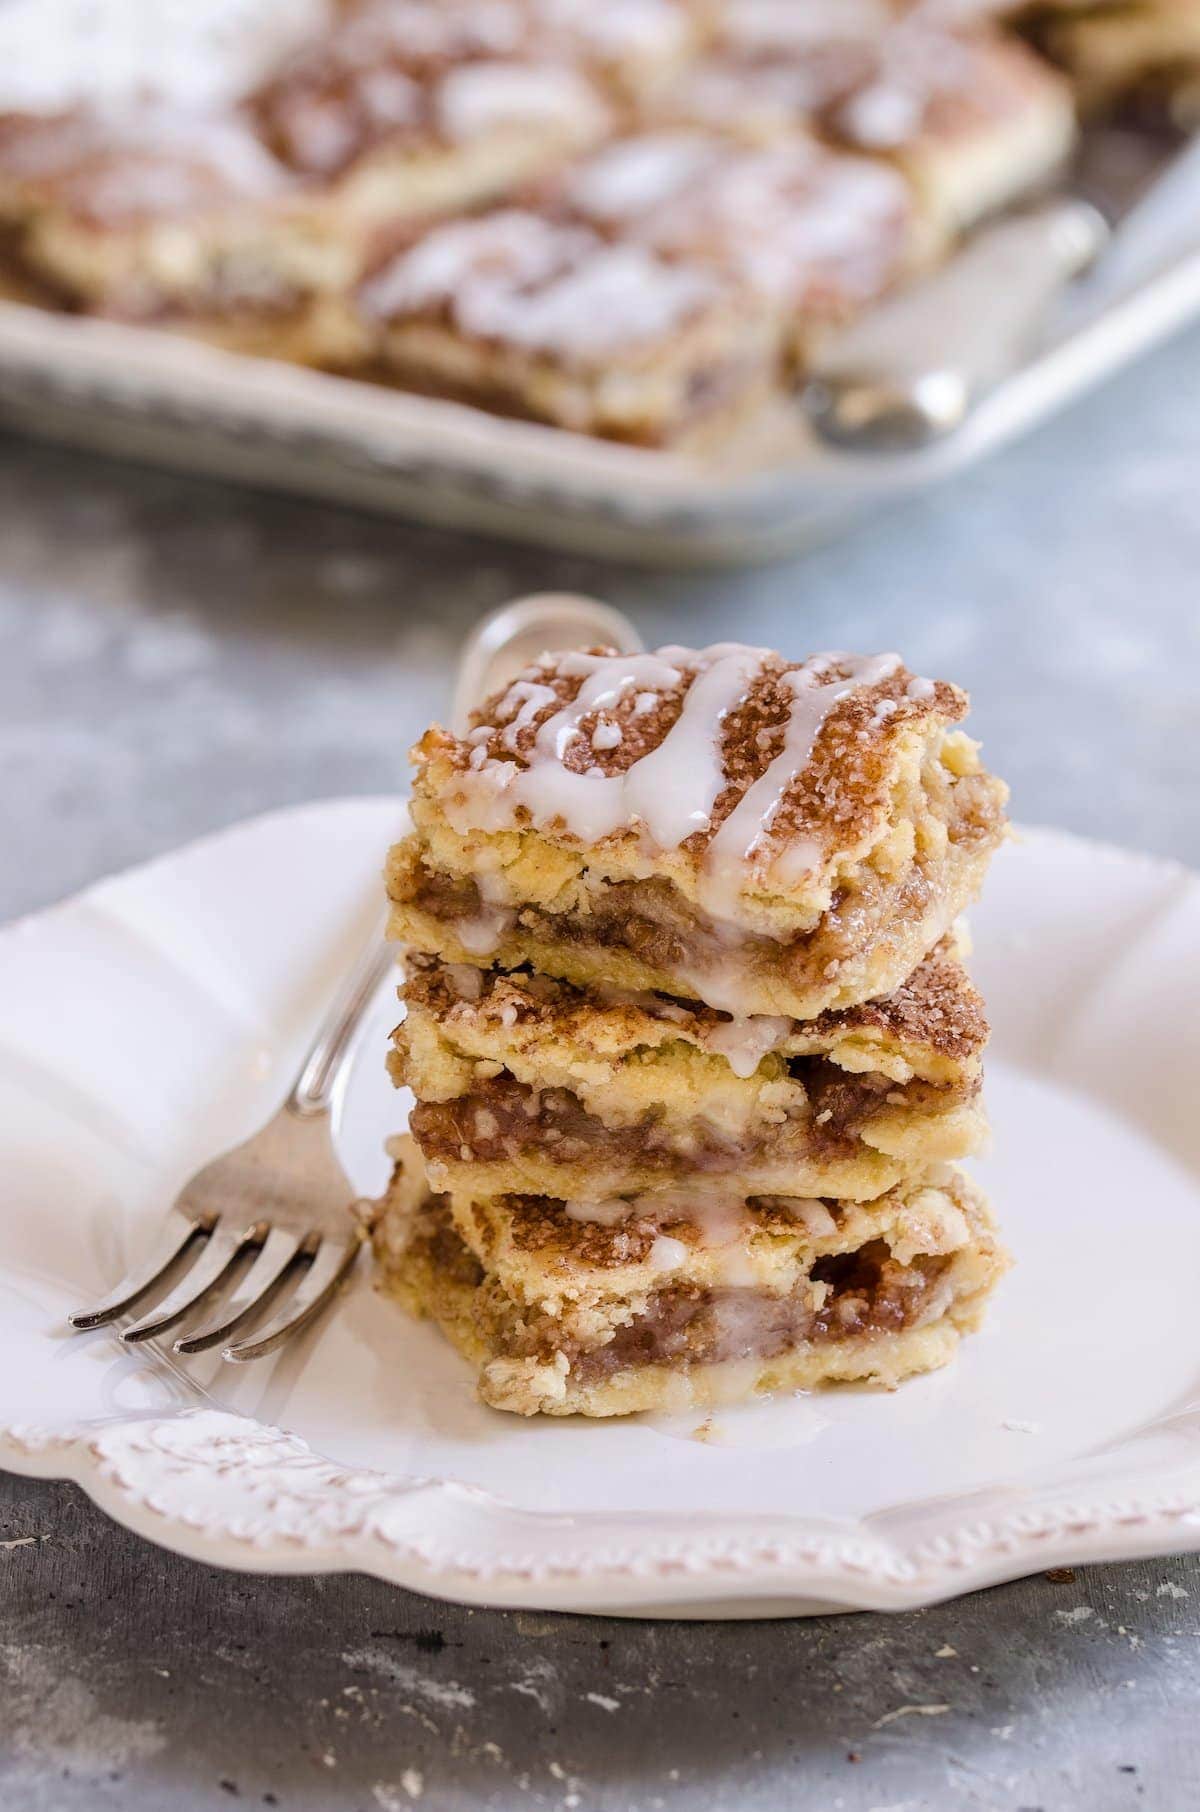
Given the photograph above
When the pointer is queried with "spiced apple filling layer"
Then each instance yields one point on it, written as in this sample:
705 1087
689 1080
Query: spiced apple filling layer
502 1135
880 1309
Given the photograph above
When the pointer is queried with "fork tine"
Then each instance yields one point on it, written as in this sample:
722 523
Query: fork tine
179 1230
277 1254
208 1270
331 1264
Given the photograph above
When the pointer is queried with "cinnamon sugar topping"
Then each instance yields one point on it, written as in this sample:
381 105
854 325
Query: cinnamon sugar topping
720 753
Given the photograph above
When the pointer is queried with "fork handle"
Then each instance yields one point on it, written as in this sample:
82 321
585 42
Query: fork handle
495 649
312 1090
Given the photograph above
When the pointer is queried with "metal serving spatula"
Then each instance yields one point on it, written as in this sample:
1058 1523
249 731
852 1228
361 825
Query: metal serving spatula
912 369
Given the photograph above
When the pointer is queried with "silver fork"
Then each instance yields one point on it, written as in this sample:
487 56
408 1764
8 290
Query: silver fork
283 1194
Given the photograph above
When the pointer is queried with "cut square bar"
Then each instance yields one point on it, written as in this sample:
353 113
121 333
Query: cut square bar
528 1085
768 837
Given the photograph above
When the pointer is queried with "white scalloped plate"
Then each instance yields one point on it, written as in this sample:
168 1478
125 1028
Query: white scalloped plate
157 1018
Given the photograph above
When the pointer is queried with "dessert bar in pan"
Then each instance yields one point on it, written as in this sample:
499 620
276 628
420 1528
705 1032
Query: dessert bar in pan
972 118
637 221
230 217
325 208
405 108
542 317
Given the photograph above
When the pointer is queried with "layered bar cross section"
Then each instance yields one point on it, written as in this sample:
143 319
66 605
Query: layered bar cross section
694 1052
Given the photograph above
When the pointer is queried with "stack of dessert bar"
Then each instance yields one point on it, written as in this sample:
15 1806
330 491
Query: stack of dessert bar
693 1049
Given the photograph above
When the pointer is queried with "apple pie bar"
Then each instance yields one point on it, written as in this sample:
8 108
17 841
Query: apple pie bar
546 319
818 232
765 836
971 117
525 1085
687 1298
151 213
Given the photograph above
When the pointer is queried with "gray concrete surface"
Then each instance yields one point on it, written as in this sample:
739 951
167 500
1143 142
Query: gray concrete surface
173 656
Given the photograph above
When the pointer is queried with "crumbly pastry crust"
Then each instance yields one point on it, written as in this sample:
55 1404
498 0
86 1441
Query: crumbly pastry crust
882 1293
868 850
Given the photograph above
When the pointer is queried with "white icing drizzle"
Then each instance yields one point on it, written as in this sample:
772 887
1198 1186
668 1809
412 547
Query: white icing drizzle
915 62
609 1212
549 288
505 249
797 212
529 698
884 114
786 218
744 1041
55 54
674 788
724 1224
635 175
670 793
481 98
739 837
812 1214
